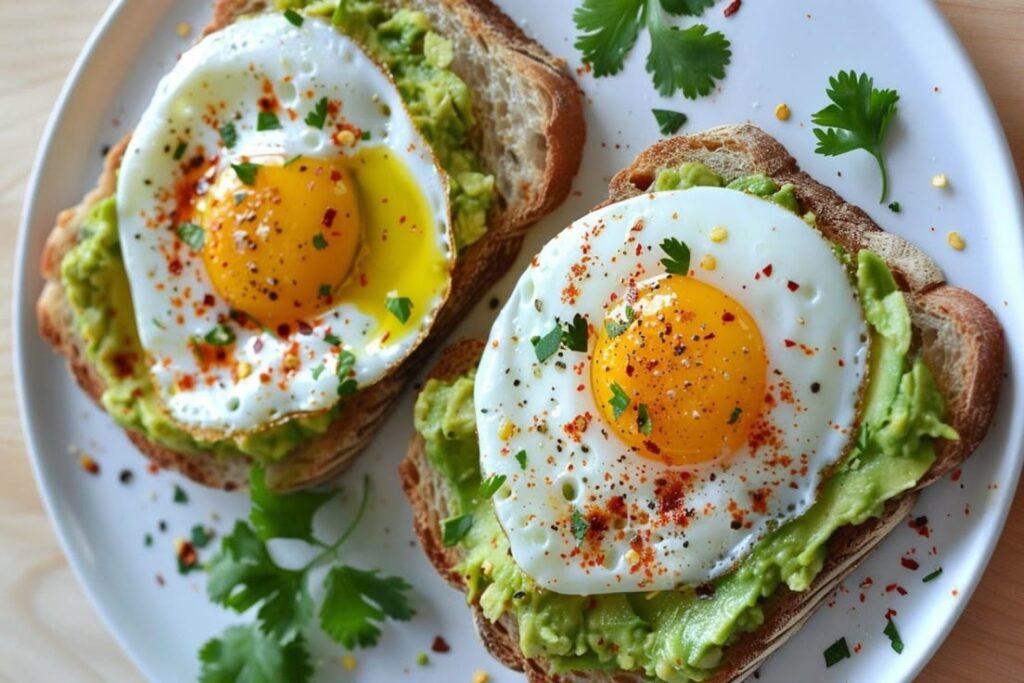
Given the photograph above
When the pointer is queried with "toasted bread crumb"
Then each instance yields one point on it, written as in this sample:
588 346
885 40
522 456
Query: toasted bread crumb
956 241
940 180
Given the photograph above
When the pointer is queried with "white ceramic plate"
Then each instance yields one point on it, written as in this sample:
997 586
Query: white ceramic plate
782 52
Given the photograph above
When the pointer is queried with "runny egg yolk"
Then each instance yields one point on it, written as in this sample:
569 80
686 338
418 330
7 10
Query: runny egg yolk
680 374
280 241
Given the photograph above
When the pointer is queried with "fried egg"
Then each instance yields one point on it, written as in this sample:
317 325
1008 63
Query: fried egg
285 228
710 358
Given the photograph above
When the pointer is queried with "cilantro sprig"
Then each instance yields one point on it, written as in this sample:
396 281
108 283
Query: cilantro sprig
858 118
572 336
244 575
689 60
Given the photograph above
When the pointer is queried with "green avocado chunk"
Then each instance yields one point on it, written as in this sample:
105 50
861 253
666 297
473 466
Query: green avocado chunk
674 635
93 271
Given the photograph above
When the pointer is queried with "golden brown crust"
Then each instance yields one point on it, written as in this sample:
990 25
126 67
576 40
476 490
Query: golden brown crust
960 338
478 267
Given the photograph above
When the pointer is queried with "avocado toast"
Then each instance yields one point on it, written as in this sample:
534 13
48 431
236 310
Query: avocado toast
529 135
954 332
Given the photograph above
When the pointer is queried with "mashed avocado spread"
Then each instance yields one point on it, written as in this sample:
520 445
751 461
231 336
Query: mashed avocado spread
676 635
93 271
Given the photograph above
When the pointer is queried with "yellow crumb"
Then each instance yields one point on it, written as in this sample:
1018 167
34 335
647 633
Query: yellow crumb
349 662
345 137
481 677
244 370
719 233
184 29
782 112
651 595
486 567
940 180
956 241
506 430
632 557
708 262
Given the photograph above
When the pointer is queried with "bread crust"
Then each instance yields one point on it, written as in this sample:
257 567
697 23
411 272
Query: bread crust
477 268
960 338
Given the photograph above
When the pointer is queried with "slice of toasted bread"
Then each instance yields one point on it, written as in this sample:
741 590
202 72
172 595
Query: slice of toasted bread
959 336
531 137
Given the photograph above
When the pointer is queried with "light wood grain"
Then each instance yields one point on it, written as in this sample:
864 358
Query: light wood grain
48 629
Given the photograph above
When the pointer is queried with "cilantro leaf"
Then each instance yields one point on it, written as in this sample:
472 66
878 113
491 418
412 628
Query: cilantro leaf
454 529
693 8
580 526
678 261
608 31
490 486
356 601
690 60
614 328
858 118
246 172
895 207
894 636
347 385
318 116
734 416
243 575
836 652
521 459
244 653
400 307
220 335
319 241
179 151
619 400
294 17
287 515
934 575
669 122
228 135
191 234
643 420
267 120
548 345
575 335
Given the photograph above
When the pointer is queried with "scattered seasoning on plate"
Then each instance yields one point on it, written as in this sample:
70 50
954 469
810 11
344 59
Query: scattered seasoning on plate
934 575
147 540
422 659
201 536
179 495
894 636
440 645
349 662
188 559
160 580
162 525
481 677
88 464
782 112
836 652
732 8
920 525
125 477
910 563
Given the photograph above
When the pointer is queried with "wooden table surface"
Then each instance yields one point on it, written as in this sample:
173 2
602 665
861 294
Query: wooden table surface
48 629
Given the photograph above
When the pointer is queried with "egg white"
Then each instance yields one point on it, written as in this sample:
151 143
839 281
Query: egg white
227 68
522 405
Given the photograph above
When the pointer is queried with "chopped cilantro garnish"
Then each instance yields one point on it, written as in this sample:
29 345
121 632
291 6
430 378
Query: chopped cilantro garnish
221 335
347 386
580 526
678 261
267 120
201 536
246 172
319 241
366 135
228 135
643 420
318 116
454 529
233 403
192 235
575 335
836 652
669 122
400 307
734 416
294 17
858 118
619 400
895 207
894 636
548 345
147 540
934 575
179 151
332 339
489 486
615 328
179 495
521 459
324 291
317 371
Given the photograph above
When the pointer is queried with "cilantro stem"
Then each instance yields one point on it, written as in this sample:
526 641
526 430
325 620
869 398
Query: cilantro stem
332 549
885 177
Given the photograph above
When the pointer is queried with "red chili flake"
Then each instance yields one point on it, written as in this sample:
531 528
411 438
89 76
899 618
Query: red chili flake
153 468
890 613
328 219
305 328
732 8
257 346
956 474
728 317
789 343
857 646
362 279
160 580
89 465
652 447
175 267
767 270
896 587
867 582
208 300
862 598
283 330
335 176
920 524
440 645
909 563
792 286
